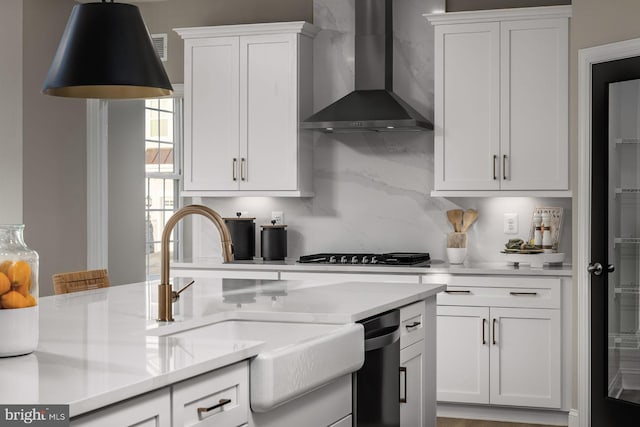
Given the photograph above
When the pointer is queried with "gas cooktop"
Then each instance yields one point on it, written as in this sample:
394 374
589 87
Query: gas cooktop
393 258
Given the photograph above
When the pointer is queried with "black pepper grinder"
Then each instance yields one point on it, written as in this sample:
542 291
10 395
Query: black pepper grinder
273 240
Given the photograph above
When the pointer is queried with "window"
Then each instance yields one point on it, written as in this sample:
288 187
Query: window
163 141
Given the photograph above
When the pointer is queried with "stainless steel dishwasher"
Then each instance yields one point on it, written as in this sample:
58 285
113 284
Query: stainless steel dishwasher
377 384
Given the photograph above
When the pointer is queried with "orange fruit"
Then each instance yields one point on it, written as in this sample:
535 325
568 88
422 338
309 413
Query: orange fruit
13 299
5 283
4 267
20 277
31 301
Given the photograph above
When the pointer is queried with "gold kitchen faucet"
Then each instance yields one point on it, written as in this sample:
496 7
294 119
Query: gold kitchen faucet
166 295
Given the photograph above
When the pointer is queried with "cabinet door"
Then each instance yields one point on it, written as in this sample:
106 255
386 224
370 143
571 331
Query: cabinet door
268 134
219 398
211 114
463 354
467 109
149 410
534 105
525 357
412 403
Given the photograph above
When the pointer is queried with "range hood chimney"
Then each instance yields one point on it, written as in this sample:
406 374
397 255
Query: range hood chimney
372 106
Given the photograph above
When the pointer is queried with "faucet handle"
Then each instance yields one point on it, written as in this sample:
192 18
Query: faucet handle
175 295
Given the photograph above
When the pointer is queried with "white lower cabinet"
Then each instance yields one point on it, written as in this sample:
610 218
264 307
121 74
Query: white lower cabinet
500 356
416 373
463 354
219 398
149 410
411 403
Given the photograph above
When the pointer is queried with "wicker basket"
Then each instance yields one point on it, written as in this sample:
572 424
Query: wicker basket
64 283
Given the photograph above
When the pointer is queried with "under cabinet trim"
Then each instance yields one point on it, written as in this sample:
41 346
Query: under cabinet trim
502 193
240 193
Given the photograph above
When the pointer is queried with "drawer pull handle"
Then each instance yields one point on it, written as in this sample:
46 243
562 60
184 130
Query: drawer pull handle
523 293
494 331
234 169
457 292
504 167
494 167
484 337
220 404
403 372
412 325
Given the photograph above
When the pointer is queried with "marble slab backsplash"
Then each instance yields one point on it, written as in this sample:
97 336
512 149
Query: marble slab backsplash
372 190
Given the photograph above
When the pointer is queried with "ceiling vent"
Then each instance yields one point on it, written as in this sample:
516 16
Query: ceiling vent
160 45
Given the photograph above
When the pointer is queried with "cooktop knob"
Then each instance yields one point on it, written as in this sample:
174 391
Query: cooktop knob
354 259
343 259
374 260
332 259
365 259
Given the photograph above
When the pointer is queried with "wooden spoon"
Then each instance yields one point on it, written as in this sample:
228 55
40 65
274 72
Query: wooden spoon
455 218
468 218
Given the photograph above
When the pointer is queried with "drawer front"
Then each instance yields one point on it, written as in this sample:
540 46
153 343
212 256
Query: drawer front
501 297
217 398
412 324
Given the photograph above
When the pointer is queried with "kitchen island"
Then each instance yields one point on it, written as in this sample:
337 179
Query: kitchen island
101 347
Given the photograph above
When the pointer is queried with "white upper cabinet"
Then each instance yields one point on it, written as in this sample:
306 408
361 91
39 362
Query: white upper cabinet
246 88
501 102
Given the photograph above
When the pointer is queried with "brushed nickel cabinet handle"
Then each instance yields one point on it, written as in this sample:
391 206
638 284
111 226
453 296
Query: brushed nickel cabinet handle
243 162
234 169
504 166
403 372
484 336
494 332
523 293
494 167
457 292
220 404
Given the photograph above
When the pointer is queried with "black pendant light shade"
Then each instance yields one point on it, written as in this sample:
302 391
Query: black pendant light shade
106 52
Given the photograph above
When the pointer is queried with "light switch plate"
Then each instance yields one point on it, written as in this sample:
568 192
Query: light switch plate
511 223
278 216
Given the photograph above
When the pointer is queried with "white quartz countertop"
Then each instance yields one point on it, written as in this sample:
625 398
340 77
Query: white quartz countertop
432 267
103 346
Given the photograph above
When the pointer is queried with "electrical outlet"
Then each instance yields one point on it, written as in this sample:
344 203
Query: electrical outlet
511 223
278 216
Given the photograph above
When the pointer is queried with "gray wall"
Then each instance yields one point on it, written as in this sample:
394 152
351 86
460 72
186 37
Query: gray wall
163 17
126 192
54 142
11 112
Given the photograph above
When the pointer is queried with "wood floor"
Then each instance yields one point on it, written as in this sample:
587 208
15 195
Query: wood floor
453 422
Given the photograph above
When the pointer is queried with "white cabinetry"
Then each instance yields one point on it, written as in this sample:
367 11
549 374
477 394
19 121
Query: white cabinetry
501 102
246 88
219 398
417 376
149 410
499 342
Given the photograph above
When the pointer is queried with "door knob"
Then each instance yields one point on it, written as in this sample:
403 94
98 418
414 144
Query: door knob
595 269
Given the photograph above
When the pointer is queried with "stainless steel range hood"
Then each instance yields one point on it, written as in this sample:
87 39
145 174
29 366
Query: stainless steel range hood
372 106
